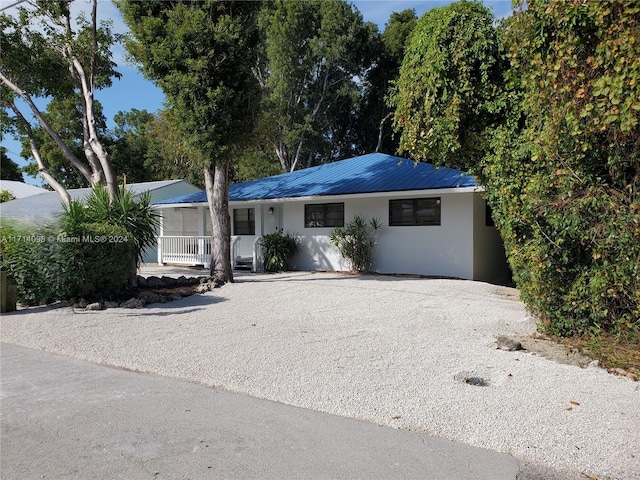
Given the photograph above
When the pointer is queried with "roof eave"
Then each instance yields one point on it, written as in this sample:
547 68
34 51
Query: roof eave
394 193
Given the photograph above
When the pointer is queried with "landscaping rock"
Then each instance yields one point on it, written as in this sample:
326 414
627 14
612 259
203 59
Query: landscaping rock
185 292
82 303
94 306
175 296
154 282
142 282
150 297
110 304
133 303
508 344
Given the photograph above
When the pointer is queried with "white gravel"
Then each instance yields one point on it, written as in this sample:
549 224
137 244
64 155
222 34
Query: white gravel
393 351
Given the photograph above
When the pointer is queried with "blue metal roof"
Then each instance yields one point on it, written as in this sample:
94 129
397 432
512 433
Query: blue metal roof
375 172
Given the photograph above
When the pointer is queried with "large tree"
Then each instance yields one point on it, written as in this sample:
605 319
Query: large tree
64 115
203 55
450 84
314 52
374 132
45 53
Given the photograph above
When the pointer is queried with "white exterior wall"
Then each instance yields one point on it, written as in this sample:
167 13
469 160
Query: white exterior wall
444 250
489 259
461 246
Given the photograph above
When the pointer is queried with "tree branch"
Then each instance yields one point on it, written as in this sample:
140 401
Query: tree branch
68 154
35 151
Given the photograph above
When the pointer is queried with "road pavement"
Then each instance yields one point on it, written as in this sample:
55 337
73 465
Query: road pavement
64 418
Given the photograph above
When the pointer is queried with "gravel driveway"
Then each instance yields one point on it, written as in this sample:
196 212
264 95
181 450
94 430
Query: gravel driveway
409 353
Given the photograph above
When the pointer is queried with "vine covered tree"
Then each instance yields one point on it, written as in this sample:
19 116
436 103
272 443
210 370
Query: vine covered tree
203 56
450 83
564 170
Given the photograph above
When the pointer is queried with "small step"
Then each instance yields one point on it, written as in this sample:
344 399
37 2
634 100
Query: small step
244 263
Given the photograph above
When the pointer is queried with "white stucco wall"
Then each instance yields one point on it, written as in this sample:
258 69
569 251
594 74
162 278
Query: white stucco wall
461 246
444 250
489 259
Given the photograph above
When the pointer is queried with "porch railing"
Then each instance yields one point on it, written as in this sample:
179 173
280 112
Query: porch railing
191 250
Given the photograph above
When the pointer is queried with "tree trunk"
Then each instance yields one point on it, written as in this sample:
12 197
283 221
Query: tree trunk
35 151
216 179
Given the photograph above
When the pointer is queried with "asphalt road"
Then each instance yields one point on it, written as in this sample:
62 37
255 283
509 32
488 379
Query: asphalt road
63 418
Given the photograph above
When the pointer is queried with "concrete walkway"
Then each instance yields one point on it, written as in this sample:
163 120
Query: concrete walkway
64 418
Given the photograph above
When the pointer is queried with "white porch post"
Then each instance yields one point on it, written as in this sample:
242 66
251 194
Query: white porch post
161 233
202 232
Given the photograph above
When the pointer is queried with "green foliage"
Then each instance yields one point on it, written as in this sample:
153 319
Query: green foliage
64 115
356 242
136 217
48 55
374 132
277 249
100 262
201 54
34 264
564 169
313 51
9 170
450 81
6 195
89 252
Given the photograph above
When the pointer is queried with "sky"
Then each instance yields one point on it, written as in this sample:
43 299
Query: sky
134 91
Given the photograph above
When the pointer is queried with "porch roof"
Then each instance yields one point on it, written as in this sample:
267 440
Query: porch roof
372 173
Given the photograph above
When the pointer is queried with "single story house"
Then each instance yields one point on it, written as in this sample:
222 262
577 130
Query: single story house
436 221
46 207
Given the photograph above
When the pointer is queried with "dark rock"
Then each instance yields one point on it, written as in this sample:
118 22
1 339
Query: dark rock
82 303
508 344
150 297
153 282
182 280
185 292
175 296
142 282
109 304
133 303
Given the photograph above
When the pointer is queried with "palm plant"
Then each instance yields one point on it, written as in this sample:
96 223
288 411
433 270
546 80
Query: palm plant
356 242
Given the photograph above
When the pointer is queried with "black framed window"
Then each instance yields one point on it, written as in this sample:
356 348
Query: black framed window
244 221
324 215
414 212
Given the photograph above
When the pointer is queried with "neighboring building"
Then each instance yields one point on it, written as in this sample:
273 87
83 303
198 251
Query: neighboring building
45 208
436 221
20 189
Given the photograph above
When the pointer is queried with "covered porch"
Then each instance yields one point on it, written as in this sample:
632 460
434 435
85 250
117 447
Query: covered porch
185 234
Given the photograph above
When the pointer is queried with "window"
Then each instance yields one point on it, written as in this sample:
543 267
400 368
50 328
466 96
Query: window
324 215
414 211
244 221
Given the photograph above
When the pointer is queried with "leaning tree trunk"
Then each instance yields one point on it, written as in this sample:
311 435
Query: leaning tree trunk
217 186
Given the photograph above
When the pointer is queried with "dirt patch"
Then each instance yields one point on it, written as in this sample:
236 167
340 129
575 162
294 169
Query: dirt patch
554 351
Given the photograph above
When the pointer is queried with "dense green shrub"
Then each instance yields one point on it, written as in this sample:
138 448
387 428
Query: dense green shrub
356 242
91 251
100 256
35 262
564 172
277 249
545 112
